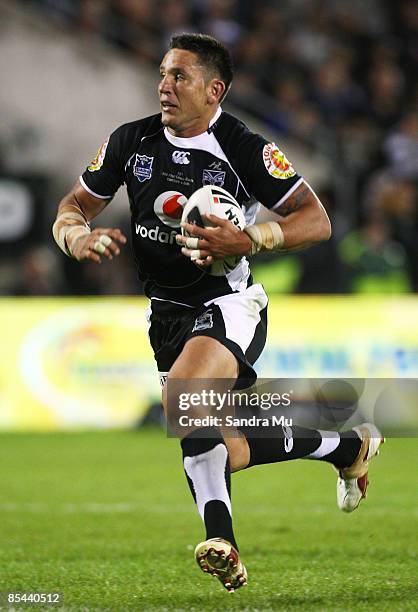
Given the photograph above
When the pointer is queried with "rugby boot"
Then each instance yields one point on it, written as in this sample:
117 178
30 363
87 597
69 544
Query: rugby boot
353 481
219 558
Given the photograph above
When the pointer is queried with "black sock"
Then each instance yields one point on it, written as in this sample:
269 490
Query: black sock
280 443
286 443
206 464
346 452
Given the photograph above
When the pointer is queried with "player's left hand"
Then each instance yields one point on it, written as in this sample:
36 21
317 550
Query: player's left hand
204 244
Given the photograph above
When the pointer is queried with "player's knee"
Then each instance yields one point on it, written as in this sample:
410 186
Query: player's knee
239 453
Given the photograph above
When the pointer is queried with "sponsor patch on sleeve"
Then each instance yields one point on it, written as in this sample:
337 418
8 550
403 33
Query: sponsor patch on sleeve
97 162
276 162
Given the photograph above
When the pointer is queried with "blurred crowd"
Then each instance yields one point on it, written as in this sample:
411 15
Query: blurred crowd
339 77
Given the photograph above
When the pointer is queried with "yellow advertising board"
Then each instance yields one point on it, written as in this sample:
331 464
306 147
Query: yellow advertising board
69 363
345 336
81 363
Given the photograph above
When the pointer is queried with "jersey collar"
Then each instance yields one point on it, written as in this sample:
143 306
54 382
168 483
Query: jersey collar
186 142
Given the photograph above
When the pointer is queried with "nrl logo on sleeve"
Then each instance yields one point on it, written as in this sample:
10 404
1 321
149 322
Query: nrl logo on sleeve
142 167
276 162
97 162
213 177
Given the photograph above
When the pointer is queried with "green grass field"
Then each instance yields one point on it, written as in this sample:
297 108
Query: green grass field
107 520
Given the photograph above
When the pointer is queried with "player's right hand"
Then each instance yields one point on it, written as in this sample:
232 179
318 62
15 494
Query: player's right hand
86 247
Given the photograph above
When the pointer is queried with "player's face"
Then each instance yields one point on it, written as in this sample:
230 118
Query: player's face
186 94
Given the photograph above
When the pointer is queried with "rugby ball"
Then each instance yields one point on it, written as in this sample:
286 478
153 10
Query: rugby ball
212 200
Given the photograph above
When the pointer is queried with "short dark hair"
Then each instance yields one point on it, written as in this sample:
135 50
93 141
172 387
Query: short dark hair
212 54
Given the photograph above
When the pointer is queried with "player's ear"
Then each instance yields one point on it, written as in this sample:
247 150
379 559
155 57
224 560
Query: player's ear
216 90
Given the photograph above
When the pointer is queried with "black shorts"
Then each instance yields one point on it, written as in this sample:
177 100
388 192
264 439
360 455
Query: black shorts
238 321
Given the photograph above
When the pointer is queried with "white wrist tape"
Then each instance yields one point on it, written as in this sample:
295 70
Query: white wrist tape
265 236
67 228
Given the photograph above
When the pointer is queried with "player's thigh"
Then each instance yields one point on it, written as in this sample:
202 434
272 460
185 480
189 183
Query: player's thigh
206 358
204 363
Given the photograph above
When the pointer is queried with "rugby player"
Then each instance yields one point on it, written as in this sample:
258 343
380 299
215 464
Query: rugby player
202 326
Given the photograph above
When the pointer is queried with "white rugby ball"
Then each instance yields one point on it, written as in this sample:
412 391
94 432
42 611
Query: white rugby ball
212 200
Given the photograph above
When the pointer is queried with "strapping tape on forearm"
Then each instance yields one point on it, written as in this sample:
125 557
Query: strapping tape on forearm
265 236
67 228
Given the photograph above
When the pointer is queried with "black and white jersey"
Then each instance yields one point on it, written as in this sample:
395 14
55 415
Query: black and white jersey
161 172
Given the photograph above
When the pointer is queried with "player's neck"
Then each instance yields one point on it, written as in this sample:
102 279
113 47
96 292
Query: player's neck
196 128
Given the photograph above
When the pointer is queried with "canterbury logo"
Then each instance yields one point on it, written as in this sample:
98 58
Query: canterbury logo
181 157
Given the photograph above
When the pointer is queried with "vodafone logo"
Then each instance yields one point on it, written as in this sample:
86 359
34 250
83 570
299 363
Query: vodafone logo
156 234
169 207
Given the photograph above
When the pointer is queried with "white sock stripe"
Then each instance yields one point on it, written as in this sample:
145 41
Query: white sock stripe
207 473
330 441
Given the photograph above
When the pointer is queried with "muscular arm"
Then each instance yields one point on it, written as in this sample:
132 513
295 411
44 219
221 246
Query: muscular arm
78 197
75 210
301 223
303 220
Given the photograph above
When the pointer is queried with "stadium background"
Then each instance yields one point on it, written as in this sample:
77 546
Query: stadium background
104 517
332 82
